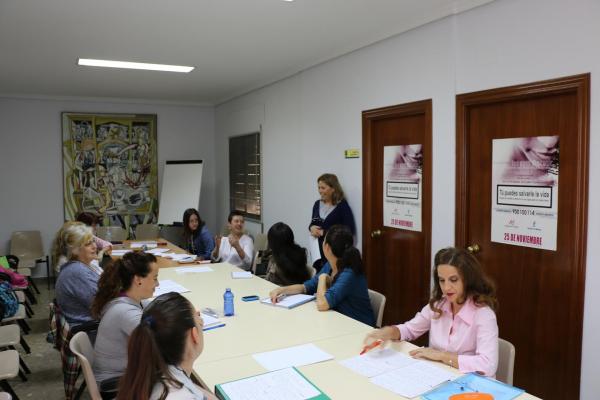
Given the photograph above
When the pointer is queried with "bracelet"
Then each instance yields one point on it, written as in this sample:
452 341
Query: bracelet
450 363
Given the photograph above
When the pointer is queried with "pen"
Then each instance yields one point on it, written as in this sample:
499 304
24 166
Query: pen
281 297
371 346
213 327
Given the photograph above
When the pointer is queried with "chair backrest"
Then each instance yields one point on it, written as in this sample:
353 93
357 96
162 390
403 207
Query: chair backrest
506 361
80 346
111 233
27 245
146 231
378 306
173 234
260 242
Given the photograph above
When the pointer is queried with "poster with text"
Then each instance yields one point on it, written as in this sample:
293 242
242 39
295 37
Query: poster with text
402 186
525 191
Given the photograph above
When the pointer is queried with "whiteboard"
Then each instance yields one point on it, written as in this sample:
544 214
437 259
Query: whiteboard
180 190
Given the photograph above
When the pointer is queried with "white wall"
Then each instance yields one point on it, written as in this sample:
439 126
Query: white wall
31 158
310 118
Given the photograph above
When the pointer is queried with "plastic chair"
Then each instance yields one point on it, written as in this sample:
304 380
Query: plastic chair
10 336
147 232
9 368
506 361
173 234
80 346
27 246
111 233
378 305
19 317
260 242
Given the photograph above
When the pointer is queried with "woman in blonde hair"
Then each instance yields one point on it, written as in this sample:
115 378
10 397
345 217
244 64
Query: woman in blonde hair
77 283
331 209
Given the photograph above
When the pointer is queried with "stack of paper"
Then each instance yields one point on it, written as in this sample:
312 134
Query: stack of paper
211 322
158 250
241 274
139 245
168 286
399 373
296 356
183 257
290 301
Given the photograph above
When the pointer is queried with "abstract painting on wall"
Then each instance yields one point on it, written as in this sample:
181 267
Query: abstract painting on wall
110 167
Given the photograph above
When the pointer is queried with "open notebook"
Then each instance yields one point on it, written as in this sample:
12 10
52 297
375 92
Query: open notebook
290 301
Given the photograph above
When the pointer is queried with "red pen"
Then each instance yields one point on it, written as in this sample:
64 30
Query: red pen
371 346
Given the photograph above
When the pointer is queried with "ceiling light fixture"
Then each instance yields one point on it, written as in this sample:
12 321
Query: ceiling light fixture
133 65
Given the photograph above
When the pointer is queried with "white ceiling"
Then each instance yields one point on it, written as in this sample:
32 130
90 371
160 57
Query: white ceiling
235 45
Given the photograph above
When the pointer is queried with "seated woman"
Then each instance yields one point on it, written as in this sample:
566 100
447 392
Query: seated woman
198 239
287 264
77 282
237 248
162 351
341 284
460 317
122 287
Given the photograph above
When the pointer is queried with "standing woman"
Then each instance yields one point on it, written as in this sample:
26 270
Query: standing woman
341 284
121 289
162 351
331 209
460 317
77 282
198 239
287 264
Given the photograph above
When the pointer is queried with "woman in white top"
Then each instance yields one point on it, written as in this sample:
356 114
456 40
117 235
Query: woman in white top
237 248
162 351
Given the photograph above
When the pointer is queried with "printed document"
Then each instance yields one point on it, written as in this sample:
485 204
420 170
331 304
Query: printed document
296 356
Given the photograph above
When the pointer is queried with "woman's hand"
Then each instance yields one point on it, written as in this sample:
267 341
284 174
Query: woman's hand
427 353
234 241
275 293
316 231
384 334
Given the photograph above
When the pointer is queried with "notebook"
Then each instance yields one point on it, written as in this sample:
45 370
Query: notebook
241 274
211 322
284 384
292 301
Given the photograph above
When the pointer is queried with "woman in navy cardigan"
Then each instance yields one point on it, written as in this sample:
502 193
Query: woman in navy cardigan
331 209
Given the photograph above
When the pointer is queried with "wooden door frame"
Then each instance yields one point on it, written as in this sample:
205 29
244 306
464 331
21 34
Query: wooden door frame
422 107
580 86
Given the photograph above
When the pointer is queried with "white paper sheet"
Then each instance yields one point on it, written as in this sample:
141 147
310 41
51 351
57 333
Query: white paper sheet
377 362
296 356
191 270
139 245
119 253
167 286
158 250
241 274
413 380
313 248
290 301
285 384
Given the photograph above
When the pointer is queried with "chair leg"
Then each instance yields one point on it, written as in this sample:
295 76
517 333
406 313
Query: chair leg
25 346
29 308
24 366
80 391
22 375
30 295
6 387
32 283
24 326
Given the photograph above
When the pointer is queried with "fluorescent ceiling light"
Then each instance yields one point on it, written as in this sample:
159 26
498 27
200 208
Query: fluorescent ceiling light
133 65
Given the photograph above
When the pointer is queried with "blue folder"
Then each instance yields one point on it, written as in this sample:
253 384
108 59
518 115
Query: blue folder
470 383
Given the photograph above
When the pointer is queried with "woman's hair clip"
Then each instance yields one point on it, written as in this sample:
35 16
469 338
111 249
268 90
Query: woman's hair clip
149 320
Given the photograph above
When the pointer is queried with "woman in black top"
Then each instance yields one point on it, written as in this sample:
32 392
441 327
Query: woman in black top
287 265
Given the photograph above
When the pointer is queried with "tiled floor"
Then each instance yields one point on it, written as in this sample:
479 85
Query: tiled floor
45 380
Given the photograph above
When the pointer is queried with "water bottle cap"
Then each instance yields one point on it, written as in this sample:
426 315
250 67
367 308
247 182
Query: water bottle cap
228 290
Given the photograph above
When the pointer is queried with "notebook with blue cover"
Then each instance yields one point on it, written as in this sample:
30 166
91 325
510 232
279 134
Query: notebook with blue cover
473 382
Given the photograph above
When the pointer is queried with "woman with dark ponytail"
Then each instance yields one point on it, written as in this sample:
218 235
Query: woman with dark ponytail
162 351
341 284
287 265
121 289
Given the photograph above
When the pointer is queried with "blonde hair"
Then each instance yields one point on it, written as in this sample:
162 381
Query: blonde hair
331 180
69 239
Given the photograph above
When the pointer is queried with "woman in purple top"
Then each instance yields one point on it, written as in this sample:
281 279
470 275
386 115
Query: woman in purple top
460 317
331 209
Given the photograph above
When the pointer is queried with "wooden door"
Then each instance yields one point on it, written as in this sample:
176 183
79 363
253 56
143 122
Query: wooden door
398 261
541 292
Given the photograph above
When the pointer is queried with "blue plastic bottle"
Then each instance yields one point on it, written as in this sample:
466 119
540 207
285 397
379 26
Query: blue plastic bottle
228 303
